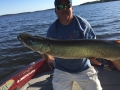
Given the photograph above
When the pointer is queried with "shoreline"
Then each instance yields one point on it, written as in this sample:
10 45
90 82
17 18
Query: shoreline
87 3
101 1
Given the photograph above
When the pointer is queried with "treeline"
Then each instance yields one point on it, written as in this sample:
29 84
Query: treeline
98 1
107 0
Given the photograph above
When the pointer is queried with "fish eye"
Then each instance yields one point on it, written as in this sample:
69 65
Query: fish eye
29 41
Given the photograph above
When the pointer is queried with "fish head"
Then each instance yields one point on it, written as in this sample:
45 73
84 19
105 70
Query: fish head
37 44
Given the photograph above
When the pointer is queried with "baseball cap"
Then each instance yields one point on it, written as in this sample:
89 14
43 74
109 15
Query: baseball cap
56 2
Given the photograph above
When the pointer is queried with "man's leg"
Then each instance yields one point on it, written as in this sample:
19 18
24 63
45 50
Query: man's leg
62 80
88 80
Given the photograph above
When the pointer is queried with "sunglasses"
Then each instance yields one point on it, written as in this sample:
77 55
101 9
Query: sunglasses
62 6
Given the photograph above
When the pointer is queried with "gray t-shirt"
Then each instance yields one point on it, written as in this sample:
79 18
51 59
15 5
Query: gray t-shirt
79 28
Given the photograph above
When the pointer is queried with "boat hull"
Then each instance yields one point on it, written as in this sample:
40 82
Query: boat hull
22 76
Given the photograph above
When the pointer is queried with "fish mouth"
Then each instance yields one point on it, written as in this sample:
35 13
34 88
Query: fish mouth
25 39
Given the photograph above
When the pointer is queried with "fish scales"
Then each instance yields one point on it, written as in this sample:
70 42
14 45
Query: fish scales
75 49
84 48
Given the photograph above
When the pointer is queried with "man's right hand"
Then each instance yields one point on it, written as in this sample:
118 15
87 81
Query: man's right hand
48 58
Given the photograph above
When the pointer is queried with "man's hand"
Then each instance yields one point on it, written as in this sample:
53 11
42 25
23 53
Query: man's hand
48 58
94 61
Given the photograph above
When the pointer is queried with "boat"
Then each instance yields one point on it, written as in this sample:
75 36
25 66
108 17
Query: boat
22 76
38 76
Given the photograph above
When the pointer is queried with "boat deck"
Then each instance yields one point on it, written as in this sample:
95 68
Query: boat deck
110 80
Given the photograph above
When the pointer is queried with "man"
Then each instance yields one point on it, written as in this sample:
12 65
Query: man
69 26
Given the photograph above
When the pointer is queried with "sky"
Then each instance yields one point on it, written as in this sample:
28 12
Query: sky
20 6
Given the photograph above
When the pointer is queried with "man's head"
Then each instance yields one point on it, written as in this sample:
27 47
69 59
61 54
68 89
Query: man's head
63 9
57 1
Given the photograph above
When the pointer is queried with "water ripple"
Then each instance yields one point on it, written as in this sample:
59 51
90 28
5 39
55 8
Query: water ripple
105 20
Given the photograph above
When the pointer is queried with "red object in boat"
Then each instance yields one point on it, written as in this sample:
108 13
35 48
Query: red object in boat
22 76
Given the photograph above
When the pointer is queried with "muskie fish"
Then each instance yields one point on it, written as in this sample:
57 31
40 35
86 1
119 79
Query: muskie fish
84 48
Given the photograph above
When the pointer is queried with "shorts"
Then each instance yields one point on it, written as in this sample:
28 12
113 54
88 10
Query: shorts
87 80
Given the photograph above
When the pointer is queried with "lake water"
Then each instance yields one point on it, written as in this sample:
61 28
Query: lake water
103 17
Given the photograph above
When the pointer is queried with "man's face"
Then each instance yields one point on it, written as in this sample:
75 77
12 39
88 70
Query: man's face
65 13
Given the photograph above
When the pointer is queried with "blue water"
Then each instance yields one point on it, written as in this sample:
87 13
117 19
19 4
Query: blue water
103 17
